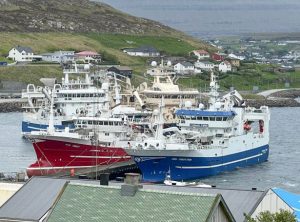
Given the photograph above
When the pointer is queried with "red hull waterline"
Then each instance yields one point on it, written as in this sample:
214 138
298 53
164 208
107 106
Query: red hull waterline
69 159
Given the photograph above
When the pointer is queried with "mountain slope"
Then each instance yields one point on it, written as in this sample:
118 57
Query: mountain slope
72 16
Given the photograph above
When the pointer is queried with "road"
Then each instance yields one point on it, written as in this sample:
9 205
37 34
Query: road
271 91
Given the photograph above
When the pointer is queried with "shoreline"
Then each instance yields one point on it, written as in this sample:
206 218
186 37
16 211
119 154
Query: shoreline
11 105
274 102
278 99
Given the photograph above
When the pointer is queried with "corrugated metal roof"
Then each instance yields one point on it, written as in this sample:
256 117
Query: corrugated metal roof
33 200
98 203
238 201
293 200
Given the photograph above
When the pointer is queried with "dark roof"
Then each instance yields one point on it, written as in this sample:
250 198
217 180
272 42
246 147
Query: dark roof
100 203
26 49
186 64
33 200
145 49
123 68
205 62
238 201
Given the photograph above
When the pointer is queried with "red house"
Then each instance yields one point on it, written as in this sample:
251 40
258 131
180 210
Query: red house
88 56
218 56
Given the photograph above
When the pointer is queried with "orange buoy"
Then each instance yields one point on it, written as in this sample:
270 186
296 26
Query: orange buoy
72 172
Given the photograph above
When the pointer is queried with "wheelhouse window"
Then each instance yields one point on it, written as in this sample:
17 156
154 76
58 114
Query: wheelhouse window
219 118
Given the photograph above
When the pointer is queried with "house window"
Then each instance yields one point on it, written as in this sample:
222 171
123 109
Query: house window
106 134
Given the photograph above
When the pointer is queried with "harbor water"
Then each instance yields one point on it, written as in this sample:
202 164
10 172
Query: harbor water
280 171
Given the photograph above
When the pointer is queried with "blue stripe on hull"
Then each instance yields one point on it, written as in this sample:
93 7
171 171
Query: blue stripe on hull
154 169
27 127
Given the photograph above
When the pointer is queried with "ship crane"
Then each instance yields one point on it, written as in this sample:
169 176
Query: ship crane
137 96
235 98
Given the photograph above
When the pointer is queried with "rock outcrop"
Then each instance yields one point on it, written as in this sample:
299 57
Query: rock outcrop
272 103
7 107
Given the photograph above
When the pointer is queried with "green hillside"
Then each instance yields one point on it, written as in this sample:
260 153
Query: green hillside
109 45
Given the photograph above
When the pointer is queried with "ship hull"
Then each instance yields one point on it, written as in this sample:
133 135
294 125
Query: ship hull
191 165
69 157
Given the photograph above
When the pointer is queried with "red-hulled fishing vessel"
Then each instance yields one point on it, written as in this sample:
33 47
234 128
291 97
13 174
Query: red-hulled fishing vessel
97 145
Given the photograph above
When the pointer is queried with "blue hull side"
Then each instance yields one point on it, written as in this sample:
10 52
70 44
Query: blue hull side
155 168
27 127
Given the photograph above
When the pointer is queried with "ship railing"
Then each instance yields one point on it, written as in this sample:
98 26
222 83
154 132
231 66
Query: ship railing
255 110
187 89
203 147
75 71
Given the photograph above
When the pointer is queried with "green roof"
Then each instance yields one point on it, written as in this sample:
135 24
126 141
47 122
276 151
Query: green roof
101 203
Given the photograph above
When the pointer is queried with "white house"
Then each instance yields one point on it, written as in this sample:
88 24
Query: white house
21 54
201 54
59 56
237 56
204 65
144 51
276 199
184 68
7 190
225 66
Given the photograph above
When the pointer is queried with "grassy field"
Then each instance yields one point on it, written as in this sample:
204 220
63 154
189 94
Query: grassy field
109 45
30 74
167 45
248 76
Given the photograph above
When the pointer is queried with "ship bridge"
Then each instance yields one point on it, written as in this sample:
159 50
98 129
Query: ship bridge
205 119
206 113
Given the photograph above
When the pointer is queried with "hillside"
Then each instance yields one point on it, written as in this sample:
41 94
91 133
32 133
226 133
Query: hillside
52 25
108 45
77 16
71 16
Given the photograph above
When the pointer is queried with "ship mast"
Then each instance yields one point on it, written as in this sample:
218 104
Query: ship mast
213 94
51 118
160 120
117 91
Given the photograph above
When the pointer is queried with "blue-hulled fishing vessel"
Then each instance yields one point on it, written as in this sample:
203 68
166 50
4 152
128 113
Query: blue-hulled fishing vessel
224 136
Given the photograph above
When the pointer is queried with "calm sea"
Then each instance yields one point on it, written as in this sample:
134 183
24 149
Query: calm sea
280 171
209 19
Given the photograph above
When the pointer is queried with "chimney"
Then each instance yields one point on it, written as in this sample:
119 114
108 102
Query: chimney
104 179
131 184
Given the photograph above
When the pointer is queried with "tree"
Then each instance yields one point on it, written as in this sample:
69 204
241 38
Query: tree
266 216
